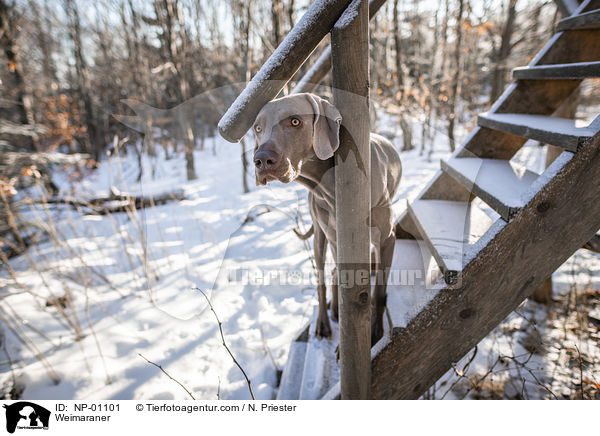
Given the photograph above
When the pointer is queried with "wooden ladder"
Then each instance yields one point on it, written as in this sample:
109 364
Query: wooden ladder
485 232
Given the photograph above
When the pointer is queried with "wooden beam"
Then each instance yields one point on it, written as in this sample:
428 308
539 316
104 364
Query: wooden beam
575 70
561 132
587 20
322 65
281 66
505 272
350 60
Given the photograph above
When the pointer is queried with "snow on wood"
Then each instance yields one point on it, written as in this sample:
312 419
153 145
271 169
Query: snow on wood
500 179
349 15
289 388
321 369
557 131
449 226
410 285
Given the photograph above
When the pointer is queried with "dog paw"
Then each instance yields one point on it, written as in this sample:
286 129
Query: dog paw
323 329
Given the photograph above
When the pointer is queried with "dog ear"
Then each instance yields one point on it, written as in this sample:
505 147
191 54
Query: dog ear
326 127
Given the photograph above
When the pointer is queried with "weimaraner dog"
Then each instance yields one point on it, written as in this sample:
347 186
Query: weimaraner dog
296 138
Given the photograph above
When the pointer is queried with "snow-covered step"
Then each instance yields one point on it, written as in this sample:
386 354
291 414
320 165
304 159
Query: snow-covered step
448 227
556 131
414 280
500 183
321 368
291 378
576 70
587 20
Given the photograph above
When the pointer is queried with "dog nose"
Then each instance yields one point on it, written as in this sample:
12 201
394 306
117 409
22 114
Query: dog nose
266 159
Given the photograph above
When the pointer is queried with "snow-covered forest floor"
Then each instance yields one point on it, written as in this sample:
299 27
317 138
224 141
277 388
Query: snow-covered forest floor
132 284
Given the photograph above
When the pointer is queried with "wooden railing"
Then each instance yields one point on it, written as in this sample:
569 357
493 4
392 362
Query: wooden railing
322 66
306 35
285 62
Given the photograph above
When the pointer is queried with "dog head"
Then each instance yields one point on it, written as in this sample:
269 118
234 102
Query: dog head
291 130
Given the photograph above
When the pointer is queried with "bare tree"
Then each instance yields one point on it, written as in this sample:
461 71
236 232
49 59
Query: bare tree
9 29
404 125
94 145
501 54
174 41
454 89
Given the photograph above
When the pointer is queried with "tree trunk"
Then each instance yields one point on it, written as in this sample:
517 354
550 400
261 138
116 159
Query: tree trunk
407 143
290 12
94 145
499 74
398 48
276 21
8 44
245 75
456 78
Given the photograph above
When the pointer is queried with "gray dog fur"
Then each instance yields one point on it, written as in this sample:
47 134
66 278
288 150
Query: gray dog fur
296 138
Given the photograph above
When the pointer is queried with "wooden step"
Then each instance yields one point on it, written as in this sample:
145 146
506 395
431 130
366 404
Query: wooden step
321 368
551 130
415 279
587 20
448 228
291 378
577 70
498 182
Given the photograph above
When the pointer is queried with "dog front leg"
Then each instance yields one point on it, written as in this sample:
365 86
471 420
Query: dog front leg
323 329
380 289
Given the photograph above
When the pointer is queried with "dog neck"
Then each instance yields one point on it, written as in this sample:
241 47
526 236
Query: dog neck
318 177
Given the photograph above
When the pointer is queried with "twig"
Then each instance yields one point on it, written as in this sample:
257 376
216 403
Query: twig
580 372
225 345
167 374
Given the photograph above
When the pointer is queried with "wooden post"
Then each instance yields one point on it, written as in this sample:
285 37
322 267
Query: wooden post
567 109
350 61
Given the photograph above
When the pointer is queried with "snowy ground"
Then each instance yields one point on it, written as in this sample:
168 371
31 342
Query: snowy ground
132 281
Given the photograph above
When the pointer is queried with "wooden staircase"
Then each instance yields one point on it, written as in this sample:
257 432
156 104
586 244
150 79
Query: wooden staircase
485 232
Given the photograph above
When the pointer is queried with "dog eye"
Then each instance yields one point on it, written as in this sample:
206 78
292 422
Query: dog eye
257 129
295 122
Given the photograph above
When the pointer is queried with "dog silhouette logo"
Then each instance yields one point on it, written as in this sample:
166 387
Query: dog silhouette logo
26 415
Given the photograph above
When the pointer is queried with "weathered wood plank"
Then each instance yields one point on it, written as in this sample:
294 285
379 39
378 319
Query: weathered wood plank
587 20
575 70
409 289
551 130
448 228
531 97
350 60
495 181
291 380
281 66
441 187
568 47
517 260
